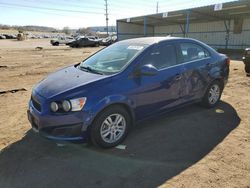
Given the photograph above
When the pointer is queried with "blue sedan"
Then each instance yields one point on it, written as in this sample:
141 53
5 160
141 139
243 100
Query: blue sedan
102 97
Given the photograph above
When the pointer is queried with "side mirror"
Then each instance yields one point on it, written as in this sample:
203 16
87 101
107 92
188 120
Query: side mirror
148 70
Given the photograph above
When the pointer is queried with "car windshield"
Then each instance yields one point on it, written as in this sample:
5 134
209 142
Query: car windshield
113 58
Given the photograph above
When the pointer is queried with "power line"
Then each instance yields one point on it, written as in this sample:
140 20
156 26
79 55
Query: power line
116 13
37 11
135 2
69 4
124 5
116 8
54 9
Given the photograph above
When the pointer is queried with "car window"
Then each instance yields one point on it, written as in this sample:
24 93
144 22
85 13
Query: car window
161 56
191 52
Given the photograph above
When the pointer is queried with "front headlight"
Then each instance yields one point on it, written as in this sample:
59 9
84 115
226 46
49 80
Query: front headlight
68 105
78 104
54 106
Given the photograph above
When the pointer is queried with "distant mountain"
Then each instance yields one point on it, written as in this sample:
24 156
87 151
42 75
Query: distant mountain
29 28
102 28
38 28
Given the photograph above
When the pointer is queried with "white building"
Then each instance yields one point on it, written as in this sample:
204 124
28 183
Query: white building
224 26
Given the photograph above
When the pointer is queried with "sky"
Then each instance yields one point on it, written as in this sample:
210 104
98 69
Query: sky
83 13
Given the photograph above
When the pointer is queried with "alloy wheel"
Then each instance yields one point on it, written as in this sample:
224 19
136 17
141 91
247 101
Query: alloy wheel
113 128
214 94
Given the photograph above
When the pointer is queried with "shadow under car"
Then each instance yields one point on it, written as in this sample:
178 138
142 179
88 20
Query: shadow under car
156 150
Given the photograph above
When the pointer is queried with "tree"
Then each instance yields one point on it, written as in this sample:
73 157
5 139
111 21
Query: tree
66 30
85 31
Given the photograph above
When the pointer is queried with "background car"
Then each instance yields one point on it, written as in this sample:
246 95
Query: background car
102 97
246 60
61 40
83 42
10 36
108 40
2 36
95 38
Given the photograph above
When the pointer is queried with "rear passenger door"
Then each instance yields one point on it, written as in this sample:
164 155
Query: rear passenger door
195 60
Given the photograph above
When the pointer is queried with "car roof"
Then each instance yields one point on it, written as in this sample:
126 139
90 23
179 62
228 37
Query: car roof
153 40
149 40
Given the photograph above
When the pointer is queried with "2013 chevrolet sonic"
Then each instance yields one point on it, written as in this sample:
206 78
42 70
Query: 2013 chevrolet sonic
100 98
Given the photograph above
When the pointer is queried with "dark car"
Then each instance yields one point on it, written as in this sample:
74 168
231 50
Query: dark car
102 97
83 42
10 36
246 60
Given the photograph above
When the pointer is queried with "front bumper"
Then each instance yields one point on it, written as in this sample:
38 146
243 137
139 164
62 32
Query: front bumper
67 132
62 127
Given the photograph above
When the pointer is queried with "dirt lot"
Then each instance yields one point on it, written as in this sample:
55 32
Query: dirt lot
191 147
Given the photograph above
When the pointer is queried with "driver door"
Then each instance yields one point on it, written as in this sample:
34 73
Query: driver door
154 94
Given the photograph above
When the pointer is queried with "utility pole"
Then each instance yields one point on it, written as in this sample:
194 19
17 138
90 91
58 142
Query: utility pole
106 14
157 6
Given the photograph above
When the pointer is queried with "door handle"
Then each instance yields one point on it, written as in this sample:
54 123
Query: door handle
178 77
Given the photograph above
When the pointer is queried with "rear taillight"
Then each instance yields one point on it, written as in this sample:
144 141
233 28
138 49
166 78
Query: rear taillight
228 62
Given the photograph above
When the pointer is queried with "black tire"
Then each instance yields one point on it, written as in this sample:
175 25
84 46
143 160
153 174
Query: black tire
95 130
247 69
205 100
56 44
74 45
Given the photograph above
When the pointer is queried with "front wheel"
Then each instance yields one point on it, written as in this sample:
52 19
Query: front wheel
212 95
110 127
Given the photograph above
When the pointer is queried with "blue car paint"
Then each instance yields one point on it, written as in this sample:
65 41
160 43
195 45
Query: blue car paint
144 96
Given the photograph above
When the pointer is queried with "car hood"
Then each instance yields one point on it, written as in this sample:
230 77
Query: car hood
65 80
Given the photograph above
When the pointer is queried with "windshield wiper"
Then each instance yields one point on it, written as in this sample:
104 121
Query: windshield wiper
89 69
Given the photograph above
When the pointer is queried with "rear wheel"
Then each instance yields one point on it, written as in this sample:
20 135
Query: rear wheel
212 95
110 127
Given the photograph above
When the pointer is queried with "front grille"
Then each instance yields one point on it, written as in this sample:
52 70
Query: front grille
35 103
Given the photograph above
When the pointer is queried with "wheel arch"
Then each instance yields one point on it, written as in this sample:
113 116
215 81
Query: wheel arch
118 103
219 79
122 105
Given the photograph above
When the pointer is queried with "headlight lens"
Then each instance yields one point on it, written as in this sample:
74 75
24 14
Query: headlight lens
78 104
66 106
54 106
